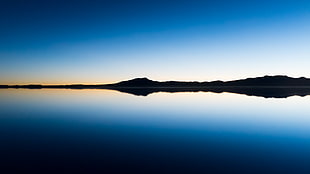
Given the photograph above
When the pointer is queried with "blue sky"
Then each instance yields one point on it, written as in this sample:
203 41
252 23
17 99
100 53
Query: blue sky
55 42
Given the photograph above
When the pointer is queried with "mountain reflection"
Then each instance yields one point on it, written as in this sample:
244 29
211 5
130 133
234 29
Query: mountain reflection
266 92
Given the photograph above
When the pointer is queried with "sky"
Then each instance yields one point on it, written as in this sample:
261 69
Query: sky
93 42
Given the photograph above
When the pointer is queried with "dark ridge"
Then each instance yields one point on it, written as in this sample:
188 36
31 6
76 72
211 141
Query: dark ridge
271 81
141 82
267 86
258 81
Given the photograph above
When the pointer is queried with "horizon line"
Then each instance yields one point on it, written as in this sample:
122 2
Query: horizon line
93 84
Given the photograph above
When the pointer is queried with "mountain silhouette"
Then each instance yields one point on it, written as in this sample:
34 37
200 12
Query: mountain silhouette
271 81
138 82
267 86
258 81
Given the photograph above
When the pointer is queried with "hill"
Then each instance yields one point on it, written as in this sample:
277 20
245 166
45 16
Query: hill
267 86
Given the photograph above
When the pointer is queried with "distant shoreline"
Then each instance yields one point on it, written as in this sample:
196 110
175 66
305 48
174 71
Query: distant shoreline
267 86
137 87
265 81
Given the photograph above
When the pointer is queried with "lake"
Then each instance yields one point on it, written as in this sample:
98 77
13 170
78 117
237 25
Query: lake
105 131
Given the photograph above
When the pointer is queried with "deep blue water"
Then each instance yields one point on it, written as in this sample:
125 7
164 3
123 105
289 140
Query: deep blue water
102 131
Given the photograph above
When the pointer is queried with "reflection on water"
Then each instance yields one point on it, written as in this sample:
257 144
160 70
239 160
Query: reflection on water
258 91
63 131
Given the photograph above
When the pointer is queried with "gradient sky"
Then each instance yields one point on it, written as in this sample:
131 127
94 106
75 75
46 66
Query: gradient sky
58 41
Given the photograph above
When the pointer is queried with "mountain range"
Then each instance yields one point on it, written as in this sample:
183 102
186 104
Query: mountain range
268 86
258 81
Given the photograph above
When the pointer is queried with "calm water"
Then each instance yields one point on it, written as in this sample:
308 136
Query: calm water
97 131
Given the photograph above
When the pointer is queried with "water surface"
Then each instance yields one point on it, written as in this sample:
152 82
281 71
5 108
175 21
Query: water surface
96 131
